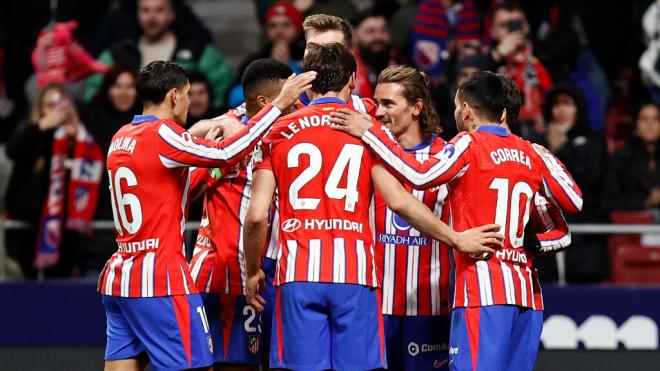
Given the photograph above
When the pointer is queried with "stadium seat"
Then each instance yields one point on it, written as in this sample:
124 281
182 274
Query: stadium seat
636 264
630 261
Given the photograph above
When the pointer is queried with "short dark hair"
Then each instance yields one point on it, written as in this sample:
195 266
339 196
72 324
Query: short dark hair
509 6
513 98
365 14
263 71
486 93
334 64
157 78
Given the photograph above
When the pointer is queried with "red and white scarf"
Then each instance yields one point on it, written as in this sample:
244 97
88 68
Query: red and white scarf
79 193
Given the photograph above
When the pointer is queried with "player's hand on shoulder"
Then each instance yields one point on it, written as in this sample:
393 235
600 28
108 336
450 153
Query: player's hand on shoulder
292 88
540 149
480 242
222 126
254 286
351 122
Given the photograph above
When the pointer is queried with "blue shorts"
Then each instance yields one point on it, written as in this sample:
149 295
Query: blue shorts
496 337
417 343
172 330
269 295
319 326
235 329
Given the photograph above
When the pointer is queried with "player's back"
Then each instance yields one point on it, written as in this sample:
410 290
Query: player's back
502 176
149 202
324 186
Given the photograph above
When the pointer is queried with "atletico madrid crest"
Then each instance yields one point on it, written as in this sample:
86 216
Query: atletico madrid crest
253 343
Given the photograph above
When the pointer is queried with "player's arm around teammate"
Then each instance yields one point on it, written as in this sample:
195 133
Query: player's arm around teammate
439 169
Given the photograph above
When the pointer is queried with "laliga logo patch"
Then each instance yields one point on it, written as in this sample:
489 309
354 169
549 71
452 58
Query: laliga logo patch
413 348
291 225
399 223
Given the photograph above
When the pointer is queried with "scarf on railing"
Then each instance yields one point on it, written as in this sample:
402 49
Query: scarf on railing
78 193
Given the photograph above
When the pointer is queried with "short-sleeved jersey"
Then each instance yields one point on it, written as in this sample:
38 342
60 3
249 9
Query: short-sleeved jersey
148 170
324 190
218 259
412 267
492 177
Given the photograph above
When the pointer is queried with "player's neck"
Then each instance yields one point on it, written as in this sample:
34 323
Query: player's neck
412 137
160 111
344 94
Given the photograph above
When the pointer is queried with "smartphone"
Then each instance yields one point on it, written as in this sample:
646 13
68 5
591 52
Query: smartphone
514 25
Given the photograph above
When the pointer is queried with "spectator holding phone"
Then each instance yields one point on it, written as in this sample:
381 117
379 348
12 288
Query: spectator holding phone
512 55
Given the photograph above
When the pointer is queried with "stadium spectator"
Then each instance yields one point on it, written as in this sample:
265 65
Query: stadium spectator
160 40
201 98
122 23
285 36
372 50
286 43
112 107
57 199
633 179
512 55
583 151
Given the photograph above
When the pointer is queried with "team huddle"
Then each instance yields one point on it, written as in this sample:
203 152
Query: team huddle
338 232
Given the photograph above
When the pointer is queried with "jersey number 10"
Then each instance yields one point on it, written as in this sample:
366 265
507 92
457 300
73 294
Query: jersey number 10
512 207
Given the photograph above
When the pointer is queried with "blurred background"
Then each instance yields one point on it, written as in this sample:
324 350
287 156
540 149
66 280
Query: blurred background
589 73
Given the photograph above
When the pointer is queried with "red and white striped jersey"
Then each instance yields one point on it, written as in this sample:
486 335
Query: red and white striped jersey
218 258
148 169
364 105
492 176
324 189
412 267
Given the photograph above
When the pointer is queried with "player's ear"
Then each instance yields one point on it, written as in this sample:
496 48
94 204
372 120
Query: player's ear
418 107
262 101
171 97
351 82
503 117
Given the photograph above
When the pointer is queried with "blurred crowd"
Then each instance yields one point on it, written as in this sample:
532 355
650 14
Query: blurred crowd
589 73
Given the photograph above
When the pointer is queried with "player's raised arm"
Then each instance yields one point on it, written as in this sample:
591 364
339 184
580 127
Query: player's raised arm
177 147
400 201
435 171
558 183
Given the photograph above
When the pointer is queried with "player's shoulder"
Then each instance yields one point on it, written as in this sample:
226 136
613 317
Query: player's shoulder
364 105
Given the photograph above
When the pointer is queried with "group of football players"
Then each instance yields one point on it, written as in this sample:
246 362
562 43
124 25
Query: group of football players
352 238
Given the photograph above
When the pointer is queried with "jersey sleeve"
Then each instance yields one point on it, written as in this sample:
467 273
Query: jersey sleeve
439 169
177 147
261 157
198 176
551 228
558 184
